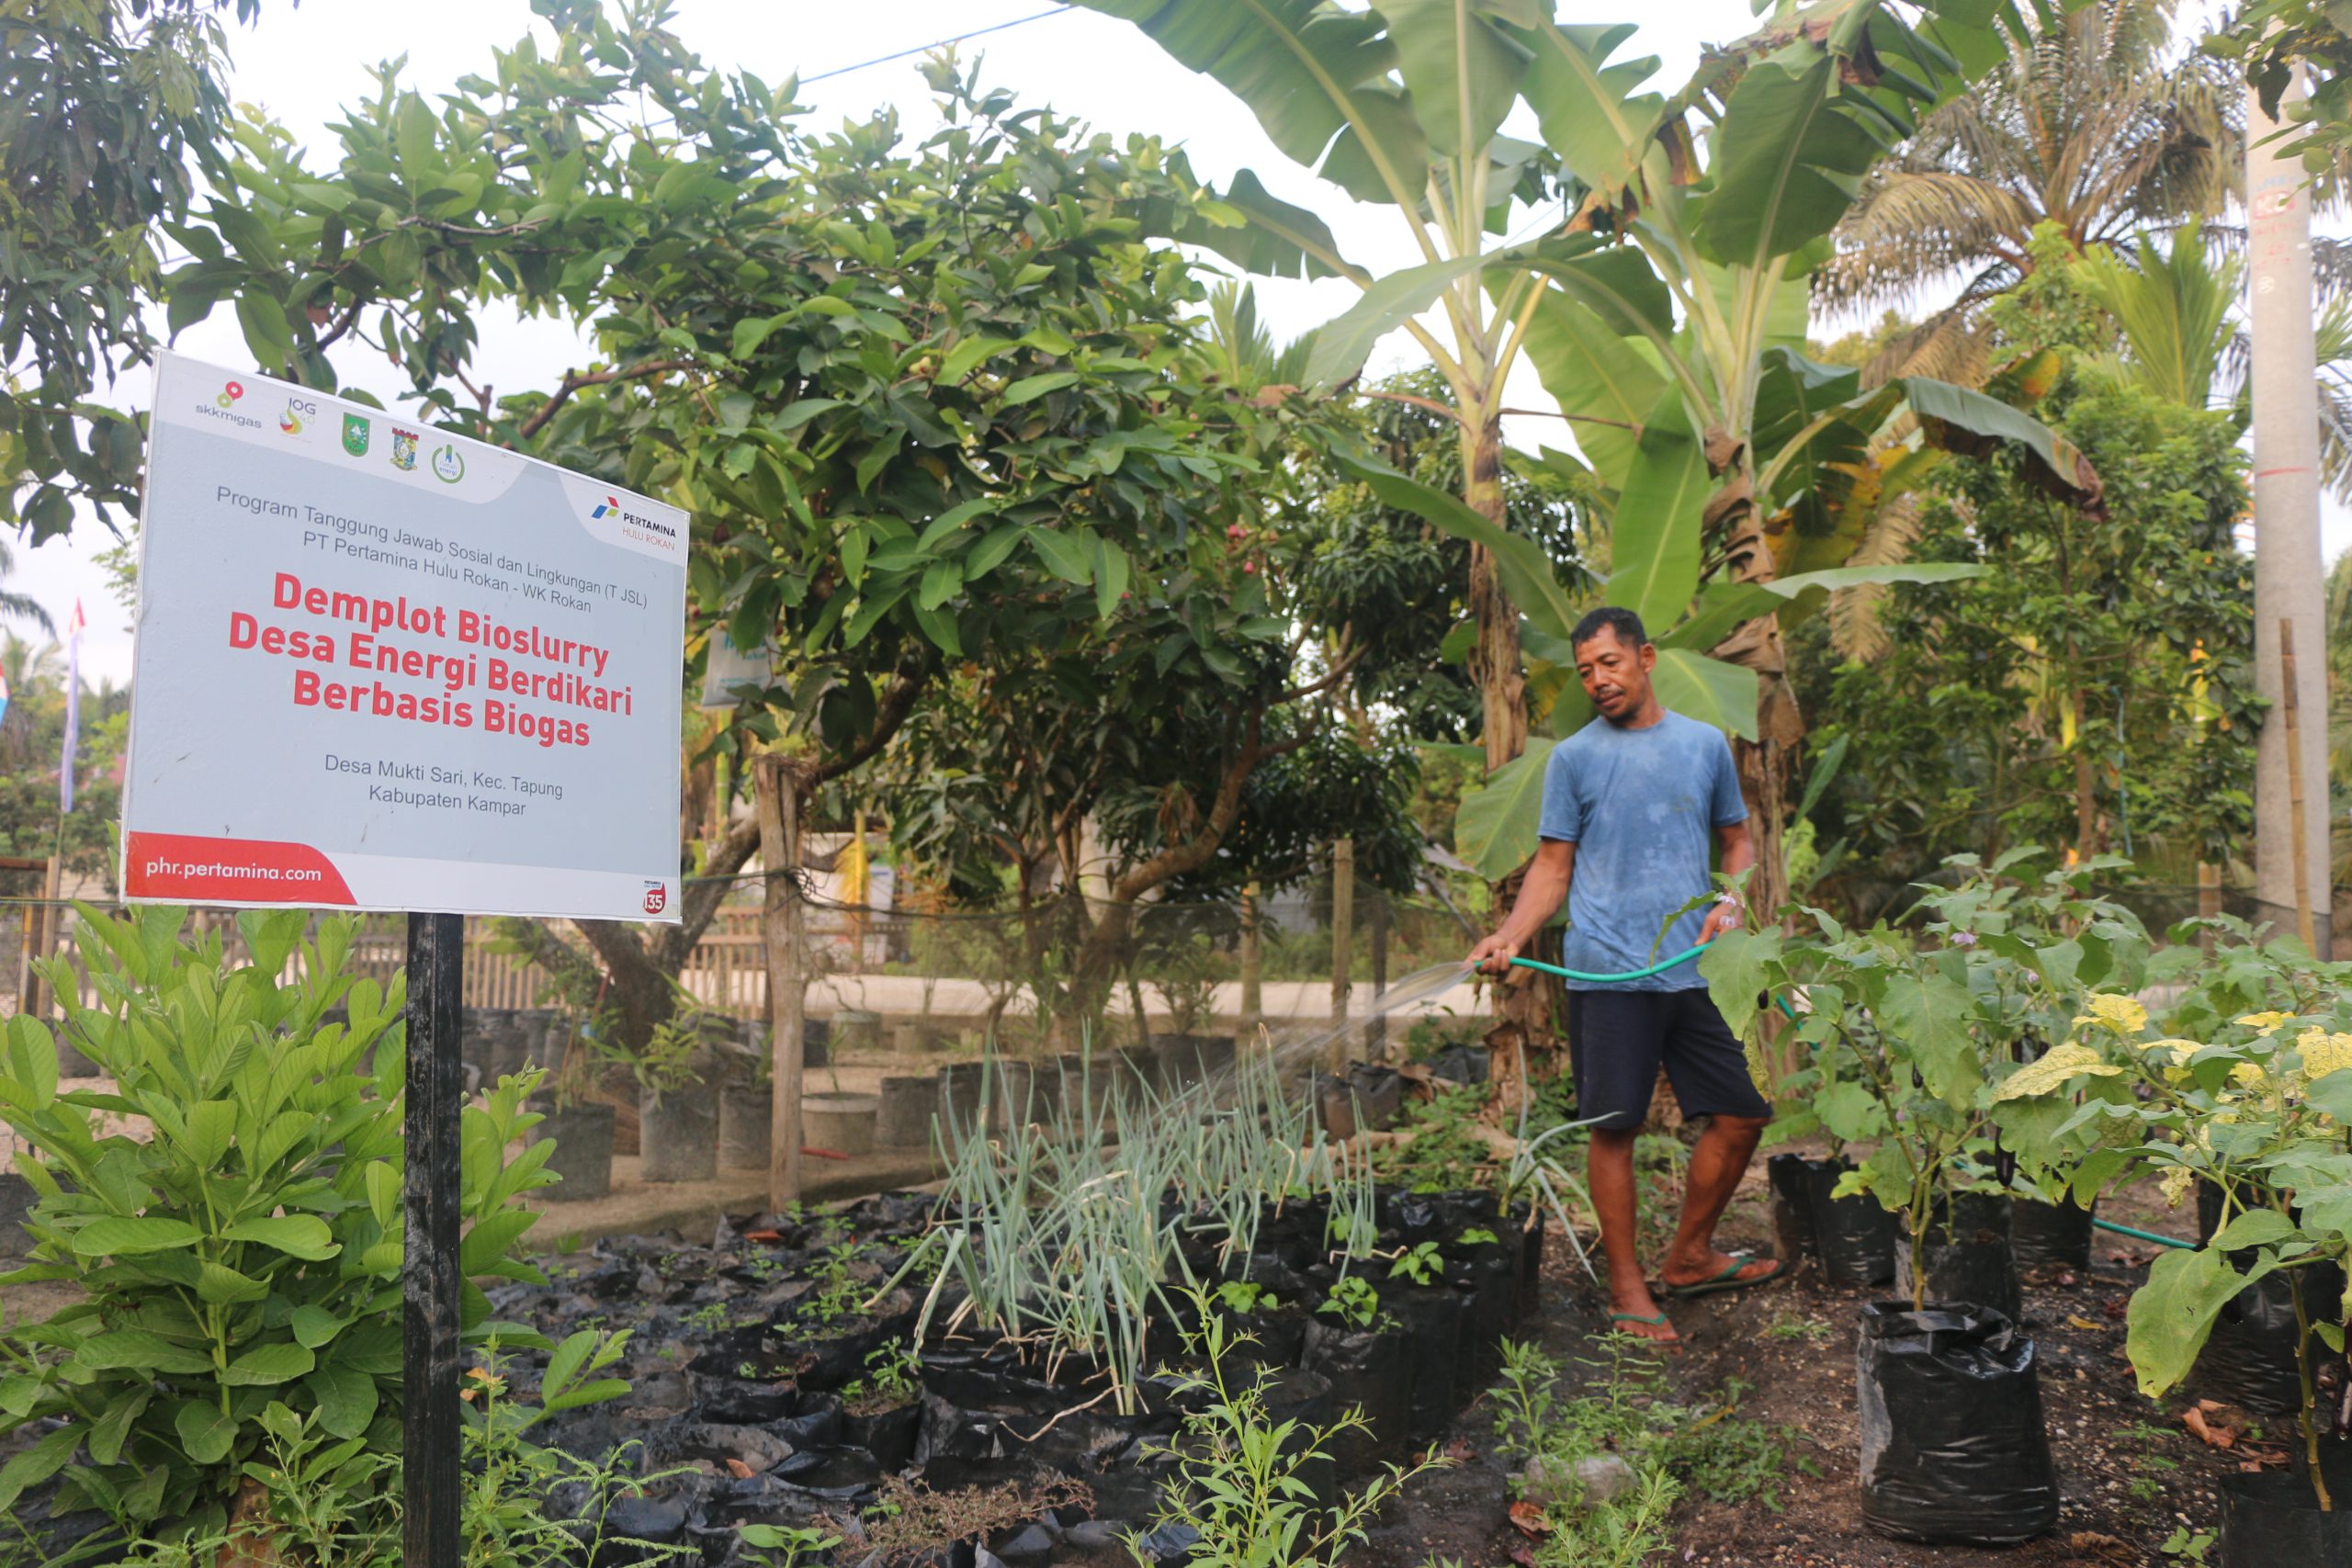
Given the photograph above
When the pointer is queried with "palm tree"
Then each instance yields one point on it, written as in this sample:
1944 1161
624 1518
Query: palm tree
2091 127
20 606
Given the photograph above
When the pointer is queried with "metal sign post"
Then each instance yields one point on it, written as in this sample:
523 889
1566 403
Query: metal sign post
384 667
429 1280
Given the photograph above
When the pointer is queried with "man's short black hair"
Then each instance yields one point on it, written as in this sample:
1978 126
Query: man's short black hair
1610 618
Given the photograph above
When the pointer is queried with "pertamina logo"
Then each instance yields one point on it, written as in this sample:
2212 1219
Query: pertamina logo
611 507
657 896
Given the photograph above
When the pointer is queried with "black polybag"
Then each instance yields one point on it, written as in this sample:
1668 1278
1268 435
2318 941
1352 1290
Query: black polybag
1966 1256
2249 1358
1953 1447
1370 1370
2051 1236
1438 1317
1791 1208
2273 1520
1854 1236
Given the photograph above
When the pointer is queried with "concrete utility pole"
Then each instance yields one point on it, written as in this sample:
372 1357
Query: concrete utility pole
2288 572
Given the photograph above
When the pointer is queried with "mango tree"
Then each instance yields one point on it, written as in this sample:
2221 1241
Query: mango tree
927 409
1652 302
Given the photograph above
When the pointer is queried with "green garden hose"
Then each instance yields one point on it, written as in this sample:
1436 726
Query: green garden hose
2145 1235
1660 967
1664 964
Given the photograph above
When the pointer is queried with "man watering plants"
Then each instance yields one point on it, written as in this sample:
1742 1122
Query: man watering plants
1631 803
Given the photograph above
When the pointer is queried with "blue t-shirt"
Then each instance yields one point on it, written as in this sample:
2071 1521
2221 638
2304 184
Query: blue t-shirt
1642 807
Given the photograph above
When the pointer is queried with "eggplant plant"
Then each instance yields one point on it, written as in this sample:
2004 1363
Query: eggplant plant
2255 1104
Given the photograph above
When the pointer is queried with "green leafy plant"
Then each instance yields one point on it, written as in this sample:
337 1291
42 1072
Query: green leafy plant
677 1054
248 1253
2255 1106
330 1501
782 1546
891 1380
1239 1296
1354 1302
1239 1482
1905 1037
1671 1445
1423 1264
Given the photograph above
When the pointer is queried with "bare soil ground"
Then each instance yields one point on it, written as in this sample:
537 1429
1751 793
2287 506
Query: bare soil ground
2131 1470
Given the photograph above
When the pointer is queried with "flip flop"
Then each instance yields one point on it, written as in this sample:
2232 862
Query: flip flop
1654 1321
1728 1280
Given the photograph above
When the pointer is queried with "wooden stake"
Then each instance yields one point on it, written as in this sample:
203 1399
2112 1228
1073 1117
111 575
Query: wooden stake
1343 923
780 932
50 886
2295 789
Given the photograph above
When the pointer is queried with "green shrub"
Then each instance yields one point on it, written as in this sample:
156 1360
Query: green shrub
247 1253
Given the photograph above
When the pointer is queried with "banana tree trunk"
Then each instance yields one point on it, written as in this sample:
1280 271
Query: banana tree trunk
1524 1021
1765 762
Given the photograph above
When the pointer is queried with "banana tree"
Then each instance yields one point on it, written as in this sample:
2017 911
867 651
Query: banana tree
1666 278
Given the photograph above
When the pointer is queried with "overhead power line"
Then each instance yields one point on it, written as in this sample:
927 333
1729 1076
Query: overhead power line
927 47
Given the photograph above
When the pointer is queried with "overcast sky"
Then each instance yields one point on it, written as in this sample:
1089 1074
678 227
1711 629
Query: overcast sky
302 65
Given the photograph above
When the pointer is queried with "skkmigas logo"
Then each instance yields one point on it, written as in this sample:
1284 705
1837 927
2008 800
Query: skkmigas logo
610 508
224 406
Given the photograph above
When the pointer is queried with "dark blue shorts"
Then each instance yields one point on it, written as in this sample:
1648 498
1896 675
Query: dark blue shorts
1618 1040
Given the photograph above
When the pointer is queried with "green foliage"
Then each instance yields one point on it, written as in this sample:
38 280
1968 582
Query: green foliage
1674 1448
2270 39
890 1380
104 107
1441 1153
2251 1101
1423 1264
1909 1046
335 1502
1354 1300
1241 1476
797 1546
248 1253
2096 688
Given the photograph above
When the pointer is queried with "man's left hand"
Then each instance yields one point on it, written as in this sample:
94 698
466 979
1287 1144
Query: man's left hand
1720 919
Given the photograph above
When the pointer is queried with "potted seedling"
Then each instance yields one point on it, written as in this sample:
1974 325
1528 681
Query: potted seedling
677 1121
1954 1446
2252 1108
746 1110
579 1115
2030 944
882 1406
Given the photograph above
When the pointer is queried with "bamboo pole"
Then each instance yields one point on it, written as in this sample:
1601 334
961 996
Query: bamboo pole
780 926
1253 963
2296 815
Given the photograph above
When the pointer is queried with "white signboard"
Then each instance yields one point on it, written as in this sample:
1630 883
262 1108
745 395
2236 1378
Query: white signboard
384 667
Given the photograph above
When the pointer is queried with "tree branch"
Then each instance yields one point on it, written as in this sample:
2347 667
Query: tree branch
573 380
1178 859
897 703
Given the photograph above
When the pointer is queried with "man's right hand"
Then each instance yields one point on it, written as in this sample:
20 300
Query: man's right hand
1493 955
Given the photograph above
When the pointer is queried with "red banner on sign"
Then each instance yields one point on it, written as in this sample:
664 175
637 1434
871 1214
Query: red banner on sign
243 871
